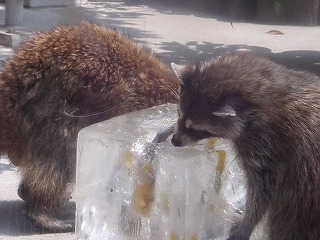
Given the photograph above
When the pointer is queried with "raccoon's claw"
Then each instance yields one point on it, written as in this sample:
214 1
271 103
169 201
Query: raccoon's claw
46 222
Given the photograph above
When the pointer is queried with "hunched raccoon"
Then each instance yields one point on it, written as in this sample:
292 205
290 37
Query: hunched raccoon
59 82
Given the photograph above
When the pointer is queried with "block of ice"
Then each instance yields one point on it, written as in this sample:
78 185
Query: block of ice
180 193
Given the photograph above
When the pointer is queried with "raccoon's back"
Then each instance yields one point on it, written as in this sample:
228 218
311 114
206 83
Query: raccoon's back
88 65
76 70
84 51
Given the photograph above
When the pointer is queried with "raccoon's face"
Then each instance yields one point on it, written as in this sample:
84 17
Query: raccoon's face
204 111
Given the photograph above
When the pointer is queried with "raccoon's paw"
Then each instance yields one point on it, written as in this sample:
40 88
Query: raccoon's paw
47 222
23 191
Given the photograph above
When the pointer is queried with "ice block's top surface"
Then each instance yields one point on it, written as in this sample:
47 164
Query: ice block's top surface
133 124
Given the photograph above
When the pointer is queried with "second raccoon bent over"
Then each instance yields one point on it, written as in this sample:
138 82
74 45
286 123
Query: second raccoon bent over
271 114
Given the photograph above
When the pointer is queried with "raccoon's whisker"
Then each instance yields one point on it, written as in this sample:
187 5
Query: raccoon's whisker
174 92
74 111
170 89
173 121
71 114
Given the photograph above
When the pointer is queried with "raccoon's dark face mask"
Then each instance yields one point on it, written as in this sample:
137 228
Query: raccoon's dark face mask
202 114
185 136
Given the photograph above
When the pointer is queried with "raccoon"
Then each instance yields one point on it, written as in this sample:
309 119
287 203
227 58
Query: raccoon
271 115
59 82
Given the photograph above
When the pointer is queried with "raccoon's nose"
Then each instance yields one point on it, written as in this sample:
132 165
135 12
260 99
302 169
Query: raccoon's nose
176 142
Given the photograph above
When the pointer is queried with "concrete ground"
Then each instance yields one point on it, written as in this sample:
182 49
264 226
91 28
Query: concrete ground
178 36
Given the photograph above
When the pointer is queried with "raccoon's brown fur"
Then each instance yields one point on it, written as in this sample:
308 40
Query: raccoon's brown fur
59 82
272 116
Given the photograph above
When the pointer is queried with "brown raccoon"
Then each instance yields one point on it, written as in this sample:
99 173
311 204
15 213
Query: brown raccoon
59 82
272 116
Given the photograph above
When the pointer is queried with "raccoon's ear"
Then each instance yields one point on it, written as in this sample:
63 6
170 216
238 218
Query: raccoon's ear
178 70
225 111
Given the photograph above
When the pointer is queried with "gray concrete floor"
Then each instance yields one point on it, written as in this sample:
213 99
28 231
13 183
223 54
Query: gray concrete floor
177 36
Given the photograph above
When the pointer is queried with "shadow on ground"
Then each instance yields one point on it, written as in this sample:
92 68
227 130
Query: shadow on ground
123 16
193 52
7 167
115 14
13 222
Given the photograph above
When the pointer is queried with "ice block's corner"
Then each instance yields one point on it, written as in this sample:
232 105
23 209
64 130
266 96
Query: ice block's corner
182 193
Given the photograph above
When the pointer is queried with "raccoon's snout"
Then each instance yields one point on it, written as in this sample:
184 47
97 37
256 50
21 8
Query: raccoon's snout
176 142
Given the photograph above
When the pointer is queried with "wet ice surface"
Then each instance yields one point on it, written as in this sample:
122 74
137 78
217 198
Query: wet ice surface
181 193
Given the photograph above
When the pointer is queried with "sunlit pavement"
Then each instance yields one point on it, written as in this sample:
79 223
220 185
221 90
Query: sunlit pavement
177 36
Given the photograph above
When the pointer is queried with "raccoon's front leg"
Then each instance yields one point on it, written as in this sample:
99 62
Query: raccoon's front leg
257 202
44 190
163 134
160 137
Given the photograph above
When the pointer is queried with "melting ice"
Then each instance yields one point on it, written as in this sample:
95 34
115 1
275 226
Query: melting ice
187 193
